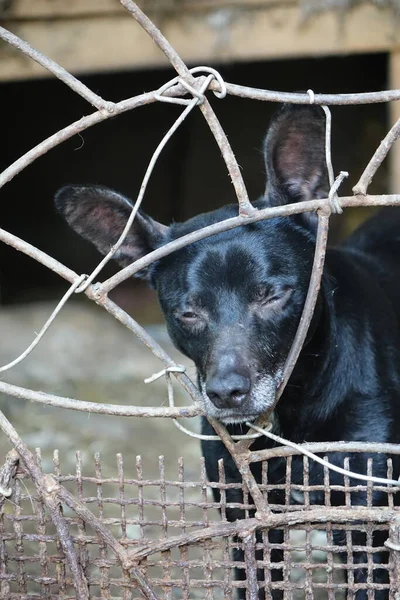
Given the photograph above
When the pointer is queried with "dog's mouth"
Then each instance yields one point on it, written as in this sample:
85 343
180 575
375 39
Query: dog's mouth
233 418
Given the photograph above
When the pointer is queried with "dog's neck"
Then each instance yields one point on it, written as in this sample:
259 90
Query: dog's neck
306 386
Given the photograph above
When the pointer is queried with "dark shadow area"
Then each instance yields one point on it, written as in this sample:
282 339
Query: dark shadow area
190 176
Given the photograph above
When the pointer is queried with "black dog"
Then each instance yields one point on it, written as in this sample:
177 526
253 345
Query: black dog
233 302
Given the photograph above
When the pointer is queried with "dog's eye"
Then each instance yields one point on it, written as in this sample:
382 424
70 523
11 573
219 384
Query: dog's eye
275 297
268 297
189 316
191 319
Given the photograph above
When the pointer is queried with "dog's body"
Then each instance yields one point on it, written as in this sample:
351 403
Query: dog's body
233 303
345 385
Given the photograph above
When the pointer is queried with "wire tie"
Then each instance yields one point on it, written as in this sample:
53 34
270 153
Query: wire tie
6 492
216 438
84 282
311 96
192 90
221 93
167 371
392 545
172 100
333 199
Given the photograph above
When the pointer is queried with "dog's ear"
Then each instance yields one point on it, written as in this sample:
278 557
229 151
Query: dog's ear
294 153
100 215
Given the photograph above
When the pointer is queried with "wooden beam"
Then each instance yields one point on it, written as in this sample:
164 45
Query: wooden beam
51 9
103 43
394 115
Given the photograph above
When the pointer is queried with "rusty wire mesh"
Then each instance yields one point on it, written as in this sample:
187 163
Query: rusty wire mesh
82 535
170 528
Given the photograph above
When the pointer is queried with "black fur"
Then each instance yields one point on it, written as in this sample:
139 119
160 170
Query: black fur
232 303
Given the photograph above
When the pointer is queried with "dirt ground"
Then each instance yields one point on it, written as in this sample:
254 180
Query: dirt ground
87 355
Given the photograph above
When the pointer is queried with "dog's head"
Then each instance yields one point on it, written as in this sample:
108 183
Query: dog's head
232 302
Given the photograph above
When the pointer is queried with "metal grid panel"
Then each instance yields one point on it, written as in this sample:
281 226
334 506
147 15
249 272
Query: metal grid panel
165 525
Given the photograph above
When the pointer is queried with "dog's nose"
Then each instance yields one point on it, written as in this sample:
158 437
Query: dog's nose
228 390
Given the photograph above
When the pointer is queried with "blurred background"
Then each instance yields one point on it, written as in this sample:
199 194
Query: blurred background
327 46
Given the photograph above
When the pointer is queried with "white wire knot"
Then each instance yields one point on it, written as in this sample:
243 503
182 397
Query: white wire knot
84 283
167 371
198 94
333 199
311 96
6 492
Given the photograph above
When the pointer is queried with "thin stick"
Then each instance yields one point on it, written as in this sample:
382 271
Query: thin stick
244 526
157 37
125 560
46 326
78 126
7 474
233 222
49 64
305 319
245 207
52 493
98 408
377 159
143 99
41 257
251 93
250 559
64 134
323 448
311 300
143 187
333 185
227 224
321 461
46 490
